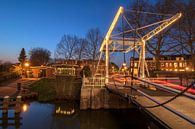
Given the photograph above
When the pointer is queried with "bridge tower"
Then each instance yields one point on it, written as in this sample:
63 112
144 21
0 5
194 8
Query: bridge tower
110 42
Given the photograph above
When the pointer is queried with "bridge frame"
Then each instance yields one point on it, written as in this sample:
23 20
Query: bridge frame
139 42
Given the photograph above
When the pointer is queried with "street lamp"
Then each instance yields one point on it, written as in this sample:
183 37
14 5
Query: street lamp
26 64
124 64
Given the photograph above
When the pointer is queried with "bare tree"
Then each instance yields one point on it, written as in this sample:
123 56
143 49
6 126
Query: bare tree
66 47
93 39
39 56
81 49
159 44
184 32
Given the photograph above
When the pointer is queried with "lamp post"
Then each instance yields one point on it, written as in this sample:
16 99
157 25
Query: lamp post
26 64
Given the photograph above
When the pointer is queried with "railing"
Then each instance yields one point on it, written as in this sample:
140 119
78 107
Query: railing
164 87
158 103
167 107
93 82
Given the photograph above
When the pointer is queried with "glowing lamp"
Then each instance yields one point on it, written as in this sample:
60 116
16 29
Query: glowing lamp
124 64
24 107
26 64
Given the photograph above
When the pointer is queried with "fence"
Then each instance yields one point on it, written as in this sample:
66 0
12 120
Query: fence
98 82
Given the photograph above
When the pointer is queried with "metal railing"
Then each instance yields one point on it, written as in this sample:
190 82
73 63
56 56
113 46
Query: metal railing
164 87
167 107
158 103
97 82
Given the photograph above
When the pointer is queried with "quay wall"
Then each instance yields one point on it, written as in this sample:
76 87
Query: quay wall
68 87
97 98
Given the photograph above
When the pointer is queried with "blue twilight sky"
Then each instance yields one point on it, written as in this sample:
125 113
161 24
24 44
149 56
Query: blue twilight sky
41 23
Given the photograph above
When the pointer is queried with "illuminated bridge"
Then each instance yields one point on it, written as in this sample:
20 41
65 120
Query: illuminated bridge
171 104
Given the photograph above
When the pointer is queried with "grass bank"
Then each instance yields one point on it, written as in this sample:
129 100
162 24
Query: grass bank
45 88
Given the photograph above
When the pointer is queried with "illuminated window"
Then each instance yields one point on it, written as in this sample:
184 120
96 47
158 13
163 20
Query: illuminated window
170 64
177 58
167 65
135 64
175 64
184 64
180 64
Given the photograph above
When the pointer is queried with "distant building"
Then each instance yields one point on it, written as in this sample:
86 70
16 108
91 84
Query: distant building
40 71
73 67
167 63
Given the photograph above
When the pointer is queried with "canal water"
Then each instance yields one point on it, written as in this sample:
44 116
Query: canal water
68 116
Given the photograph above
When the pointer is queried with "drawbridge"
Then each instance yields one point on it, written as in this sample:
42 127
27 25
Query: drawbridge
170 104
125 41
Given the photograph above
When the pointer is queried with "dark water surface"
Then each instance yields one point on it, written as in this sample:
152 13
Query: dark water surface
68 116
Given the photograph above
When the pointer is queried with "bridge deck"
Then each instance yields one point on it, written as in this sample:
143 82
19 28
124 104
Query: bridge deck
181 104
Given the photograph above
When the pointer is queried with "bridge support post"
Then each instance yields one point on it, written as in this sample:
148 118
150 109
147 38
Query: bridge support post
107 62
142 63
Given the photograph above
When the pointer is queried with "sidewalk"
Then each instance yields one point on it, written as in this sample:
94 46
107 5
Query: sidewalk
10 89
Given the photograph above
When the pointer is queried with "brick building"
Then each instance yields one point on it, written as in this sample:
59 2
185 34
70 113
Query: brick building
167 63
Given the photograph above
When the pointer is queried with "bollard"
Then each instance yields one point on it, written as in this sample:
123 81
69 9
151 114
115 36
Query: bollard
18 104
5 104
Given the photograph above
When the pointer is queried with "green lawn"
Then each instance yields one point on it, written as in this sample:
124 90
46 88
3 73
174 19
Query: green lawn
45 89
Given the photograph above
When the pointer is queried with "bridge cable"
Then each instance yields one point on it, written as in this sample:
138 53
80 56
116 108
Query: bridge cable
124 58
136 11
142 27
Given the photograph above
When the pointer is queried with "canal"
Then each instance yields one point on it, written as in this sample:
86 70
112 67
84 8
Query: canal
68 116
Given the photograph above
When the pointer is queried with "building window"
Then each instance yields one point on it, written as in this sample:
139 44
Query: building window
170 64
175 65
135 64
177 58
167 65
180 64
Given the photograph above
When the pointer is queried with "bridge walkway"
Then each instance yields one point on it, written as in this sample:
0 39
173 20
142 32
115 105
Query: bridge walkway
181 105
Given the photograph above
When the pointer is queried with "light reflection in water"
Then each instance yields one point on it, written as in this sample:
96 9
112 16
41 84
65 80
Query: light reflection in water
24 107
65 112
67 115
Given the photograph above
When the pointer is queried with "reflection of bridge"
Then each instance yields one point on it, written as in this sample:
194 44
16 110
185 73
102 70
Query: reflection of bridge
170 104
